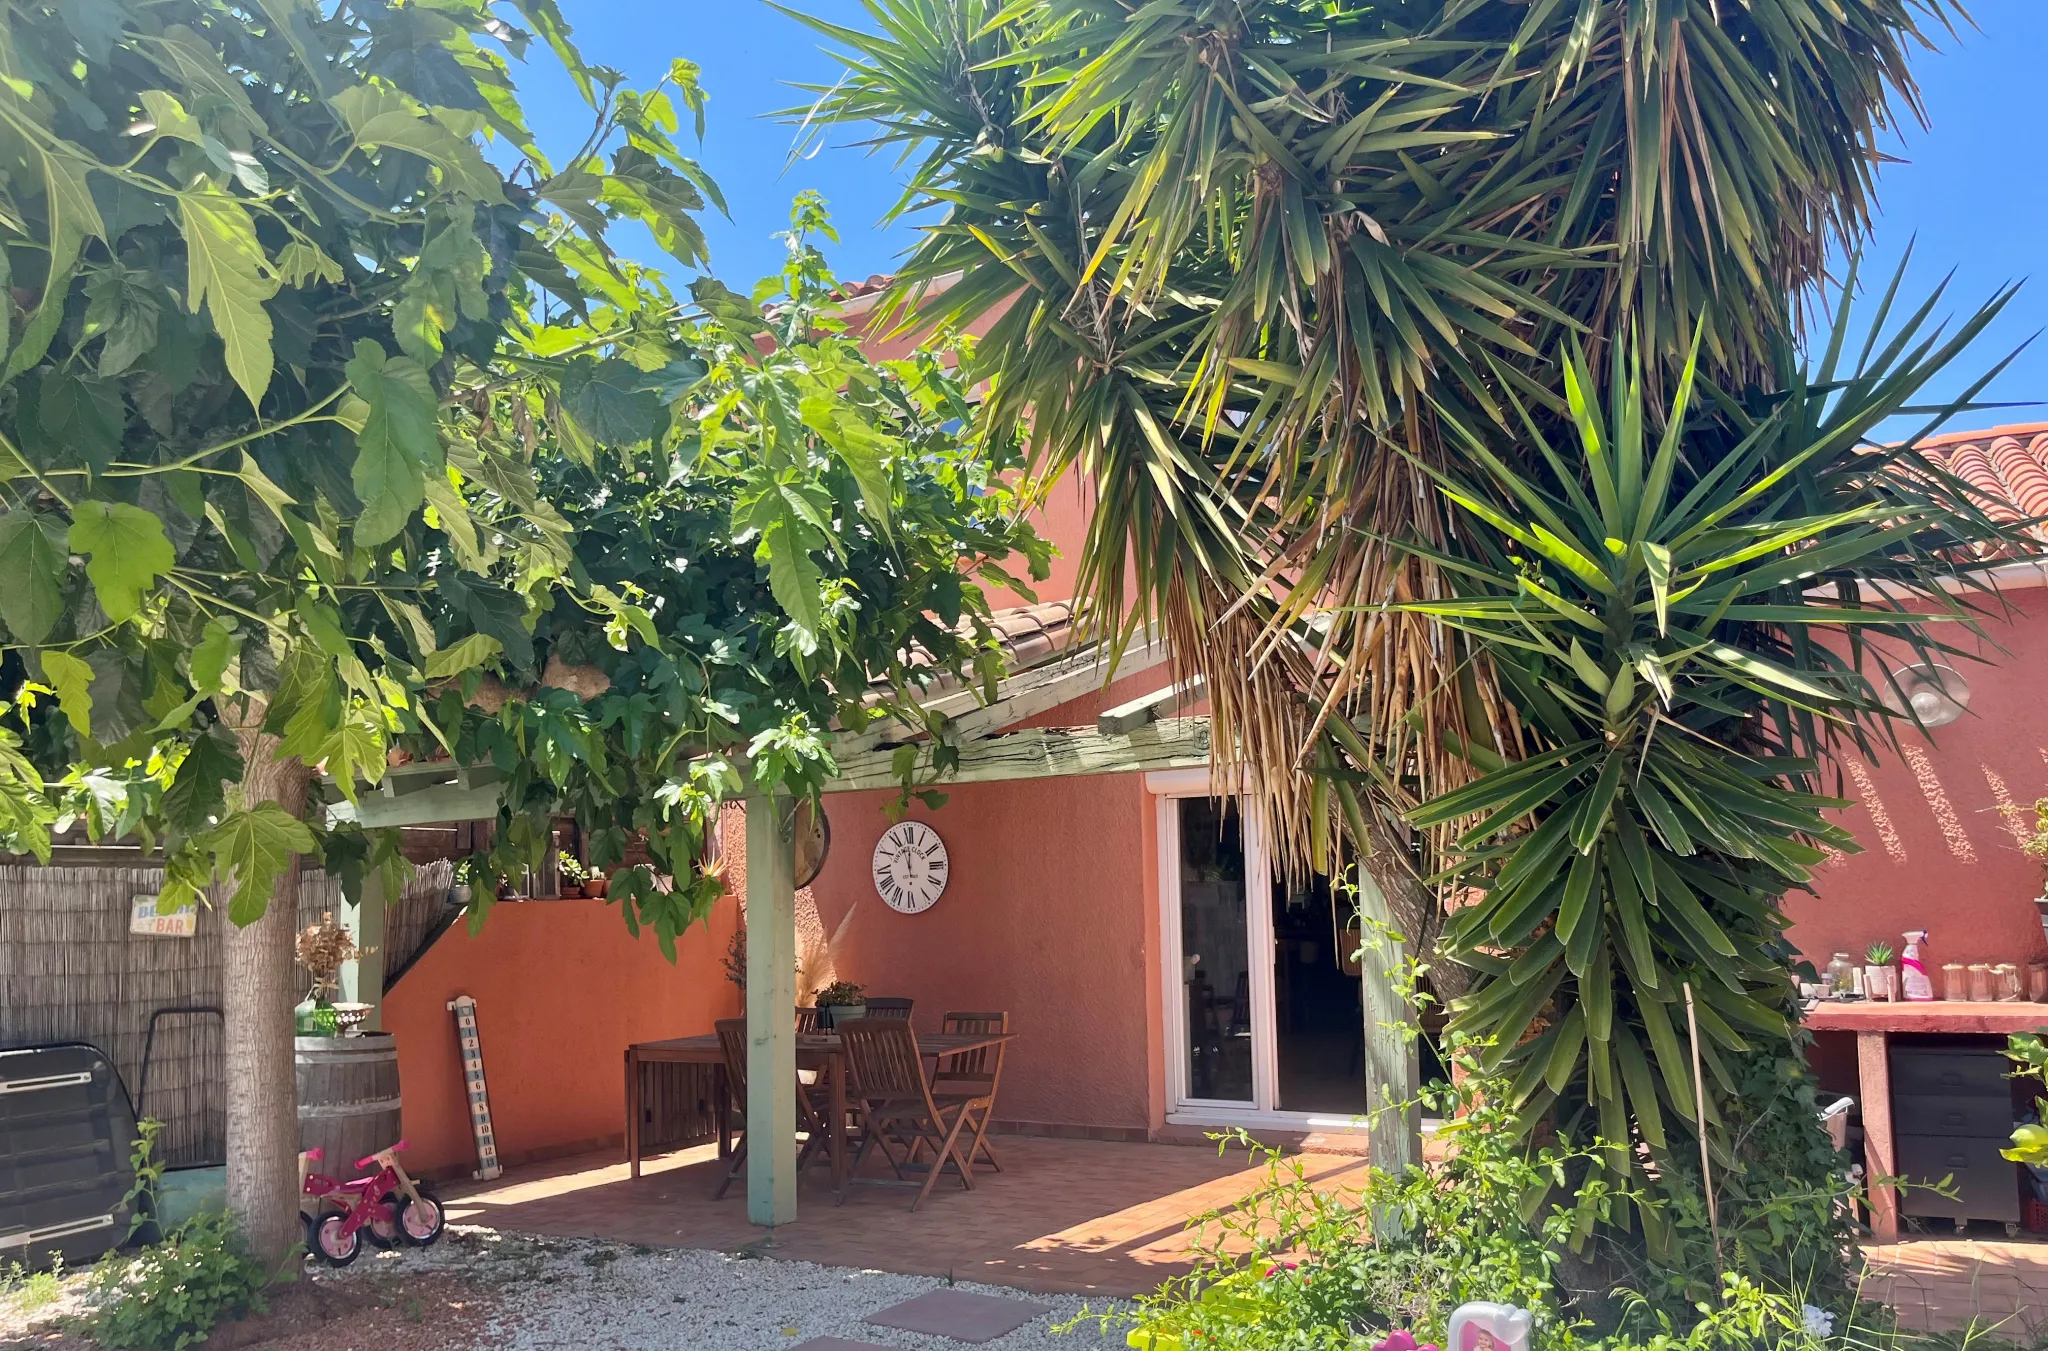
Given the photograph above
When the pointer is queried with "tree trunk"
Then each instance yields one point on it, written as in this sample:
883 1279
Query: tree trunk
1416 912
258 992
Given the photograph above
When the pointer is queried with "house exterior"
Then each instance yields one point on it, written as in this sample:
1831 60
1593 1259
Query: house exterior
1165 983
1162 980
1936 818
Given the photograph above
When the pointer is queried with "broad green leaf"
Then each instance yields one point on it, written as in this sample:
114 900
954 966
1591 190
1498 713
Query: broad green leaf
356 750
382 117
71 678
74 216
399 443
33 564
451 514
609 399
199 791
231 275
128 552
299 262
472 651
252 848
793 575
165 115
860 448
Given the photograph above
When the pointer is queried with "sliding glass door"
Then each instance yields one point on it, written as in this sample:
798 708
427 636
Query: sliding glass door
1264 1014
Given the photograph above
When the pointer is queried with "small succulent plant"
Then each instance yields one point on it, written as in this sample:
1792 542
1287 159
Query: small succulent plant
1878 954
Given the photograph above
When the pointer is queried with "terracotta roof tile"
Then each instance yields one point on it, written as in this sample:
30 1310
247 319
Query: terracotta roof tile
2006 467
1030 635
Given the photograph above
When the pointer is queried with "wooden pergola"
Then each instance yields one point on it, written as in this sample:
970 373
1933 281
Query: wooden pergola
1139 736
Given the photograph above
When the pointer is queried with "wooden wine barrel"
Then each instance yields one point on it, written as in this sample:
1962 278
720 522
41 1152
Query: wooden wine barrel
348 1097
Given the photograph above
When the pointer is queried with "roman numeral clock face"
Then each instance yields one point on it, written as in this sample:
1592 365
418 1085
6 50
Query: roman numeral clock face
911 867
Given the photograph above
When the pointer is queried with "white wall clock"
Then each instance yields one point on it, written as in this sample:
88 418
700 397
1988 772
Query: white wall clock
911 867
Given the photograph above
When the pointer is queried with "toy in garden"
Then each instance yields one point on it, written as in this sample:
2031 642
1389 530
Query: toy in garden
1480 1326
387 1205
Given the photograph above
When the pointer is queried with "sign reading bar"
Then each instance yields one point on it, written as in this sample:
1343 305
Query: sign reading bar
180 923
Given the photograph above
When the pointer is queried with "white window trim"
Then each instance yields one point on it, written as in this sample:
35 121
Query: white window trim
1169 787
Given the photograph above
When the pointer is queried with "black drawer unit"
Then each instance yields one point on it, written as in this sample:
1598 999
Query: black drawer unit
1952 1112
1985 1186
66 1133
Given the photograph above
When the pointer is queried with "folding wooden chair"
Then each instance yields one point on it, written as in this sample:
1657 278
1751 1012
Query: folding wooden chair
806 1019
973 1076
896 1103
890 1008
732 1041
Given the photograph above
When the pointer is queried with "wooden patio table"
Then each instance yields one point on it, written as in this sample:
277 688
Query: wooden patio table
814 1051
1874 1024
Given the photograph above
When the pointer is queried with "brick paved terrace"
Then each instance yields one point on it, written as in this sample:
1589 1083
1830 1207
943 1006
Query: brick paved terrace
1095 1217
1066 1216
1945 1284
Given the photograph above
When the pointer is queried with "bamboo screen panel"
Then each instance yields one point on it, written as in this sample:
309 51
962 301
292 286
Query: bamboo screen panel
71 971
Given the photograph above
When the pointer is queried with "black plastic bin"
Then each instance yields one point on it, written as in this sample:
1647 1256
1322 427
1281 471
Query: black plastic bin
66 1133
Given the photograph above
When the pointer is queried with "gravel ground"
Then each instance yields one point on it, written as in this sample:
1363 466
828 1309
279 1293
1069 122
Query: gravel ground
480 1290
573 1293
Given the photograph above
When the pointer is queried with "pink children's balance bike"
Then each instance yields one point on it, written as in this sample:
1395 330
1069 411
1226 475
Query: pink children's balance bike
387 1205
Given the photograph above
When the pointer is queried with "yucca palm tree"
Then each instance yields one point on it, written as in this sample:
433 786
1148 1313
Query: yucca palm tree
1311 295
1242 254
1689 626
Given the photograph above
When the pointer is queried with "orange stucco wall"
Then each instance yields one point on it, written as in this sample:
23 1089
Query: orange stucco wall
561 990
1051 915
1938 853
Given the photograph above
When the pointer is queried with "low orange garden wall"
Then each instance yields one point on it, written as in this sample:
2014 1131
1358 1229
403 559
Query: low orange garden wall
561 990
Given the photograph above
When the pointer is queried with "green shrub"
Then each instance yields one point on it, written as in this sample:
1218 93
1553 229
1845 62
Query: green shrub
2030 1054
172 1293
1784 1196
28 1290
1297 1268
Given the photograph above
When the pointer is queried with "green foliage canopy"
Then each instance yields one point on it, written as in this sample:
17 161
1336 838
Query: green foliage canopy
295 376
810 539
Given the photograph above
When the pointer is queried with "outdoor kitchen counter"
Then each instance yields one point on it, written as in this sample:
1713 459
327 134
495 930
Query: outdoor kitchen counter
1873 1024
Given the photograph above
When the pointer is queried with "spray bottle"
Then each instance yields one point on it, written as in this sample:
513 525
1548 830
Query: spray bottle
1919 985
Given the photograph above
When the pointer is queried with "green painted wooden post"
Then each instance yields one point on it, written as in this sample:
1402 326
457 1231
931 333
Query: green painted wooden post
771 1010
362 980
1392 1075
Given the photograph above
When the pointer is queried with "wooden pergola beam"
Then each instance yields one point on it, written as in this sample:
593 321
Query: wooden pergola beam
1147 707
1023 695
1048 753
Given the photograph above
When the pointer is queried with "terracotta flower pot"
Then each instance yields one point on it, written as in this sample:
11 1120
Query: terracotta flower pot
594 887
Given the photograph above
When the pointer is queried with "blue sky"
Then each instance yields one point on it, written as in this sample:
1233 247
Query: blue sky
1972 188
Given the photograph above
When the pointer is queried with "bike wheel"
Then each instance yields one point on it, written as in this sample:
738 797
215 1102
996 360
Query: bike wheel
383 1228
333 1242
421 1221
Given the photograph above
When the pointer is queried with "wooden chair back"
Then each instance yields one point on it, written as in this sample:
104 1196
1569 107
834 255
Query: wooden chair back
983 1062
732 1041
890 1008
806 1019
882 1060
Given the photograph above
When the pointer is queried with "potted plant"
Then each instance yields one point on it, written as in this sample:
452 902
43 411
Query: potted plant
840 1001
322 949
579 879
1880 980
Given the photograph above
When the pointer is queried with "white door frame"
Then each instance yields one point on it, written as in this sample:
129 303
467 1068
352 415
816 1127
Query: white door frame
1168 788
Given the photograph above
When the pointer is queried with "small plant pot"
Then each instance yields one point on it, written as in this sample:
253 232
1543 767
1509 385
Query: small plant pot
594 887
1881 983
832 1015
